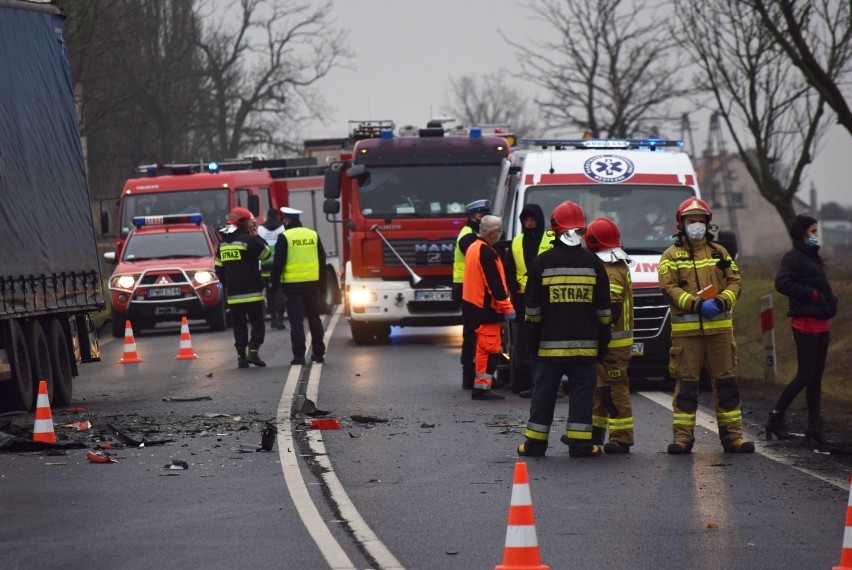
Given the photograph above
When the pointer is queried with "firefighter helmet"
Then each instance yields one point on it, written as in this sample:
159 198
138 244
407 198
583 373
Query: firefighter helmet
602 234
693 206
240 217
567 216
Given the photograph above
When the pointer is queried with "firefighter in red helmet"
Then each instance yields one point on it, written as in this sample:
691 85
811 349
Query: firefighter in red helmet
238 269
568 319
702 284
612 408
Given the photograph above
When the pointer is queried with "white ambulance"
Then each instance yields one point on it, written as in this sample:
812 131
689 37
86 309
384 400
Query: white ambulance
638 184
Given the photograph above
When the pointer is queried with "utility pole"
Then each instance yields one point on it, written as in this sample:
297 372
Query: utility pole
719 175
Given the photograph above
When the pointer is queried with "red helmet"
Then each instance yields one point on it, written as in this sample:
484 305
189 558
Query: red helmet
601 234
567 216
240 217
693 206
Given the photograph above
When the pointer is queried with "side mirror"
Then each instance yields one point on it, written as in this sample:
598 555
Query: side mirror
333 178
331 206
109 256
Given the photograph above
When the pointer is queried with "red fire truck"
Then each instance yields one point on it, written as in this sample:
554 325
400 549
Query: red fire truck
401 199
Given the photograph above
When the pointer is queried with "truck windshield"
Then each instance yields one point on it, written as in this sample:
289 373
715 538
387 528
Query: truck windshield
213 204
166 245
644 214
426 191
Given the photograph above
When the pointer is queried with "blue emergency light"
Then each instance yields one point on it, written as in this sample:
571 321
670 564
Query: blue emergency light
387 134
475 133
213 167
141 221
648 144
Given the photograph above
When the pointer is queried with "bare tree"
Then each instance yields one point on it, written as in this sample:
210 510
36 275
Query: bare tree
490 100
774 116
612 71
262 66
817 37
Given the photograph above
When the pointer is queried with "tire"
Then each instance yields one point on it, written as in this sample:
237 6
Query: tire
19 391
42 367
330 296
369 333
118 322
215 317
60 356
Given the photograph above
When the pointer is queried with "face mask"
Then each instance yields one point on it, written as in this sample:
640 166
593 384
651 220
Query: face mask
813 240
571 237
696 231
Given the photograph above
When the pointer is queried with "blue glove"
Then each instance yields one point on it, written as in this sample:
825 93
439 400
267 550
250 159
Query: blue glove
710 308
511 316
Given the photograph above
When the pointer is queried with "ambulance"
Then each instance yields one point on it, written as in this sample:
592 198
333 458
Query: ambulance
637 183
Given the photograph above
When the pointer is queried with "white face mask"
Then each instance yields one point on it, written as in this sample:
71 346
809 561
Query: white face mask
813 240
571 237
696 231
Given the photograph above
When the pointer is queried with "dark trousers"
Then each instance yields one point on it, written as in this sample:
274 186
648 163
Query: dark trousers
811 352
253 313
548 376
299 306
468 351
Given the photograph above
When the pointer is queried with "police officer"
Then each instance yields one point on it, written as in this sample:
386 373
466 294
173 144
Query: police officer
568 326
702 284
269 230
298 268
486 303
612 407
532 240
237 267
467 235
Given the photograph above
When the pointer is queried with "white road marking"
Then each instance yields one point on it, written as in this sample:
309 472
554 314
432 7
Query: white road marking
317 528
708 422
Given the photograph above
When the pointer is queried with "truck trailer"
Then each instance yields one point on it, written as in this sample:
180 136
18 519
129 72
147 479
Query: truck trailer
50 277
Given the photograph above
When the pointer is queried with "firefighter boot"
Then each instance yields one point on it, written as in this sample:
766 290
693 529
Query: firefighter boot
241 358
680 448
532 448
613 447
254 358
738 446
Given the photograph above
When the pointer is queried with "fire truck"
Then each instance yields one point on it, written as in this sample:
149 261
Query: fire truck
637 183
401 198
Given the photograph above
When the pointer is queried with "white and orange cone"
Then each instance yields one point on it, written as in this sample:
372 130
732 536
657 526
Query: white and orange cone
43 427
521 551
185 352
129 355
846 551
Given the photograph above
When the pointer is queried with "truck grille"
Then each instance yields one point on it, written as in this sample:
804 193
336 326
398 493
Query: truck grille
650 313
420 252
173 276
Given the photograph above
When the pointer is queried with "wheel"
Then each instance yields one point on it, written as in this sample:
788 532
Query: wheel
19 391
118 322
40 356
216 317
60 356
331 295
369 333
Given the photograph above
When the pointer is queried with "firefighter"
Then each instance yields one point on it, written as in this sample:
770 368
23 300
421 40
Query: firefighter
237 267
298 269
475 210
269 231
568 320
702 285
612 407
486 304
532 240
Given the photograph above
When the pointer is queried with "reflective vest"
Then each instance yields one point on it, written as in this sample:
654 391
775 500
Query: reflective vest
302 263
271 236
458 256
620 290
518 253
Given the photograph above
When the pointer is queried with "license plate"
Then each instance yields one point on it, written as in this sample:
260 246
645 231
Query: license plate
169 311
433 295
638 349
164 292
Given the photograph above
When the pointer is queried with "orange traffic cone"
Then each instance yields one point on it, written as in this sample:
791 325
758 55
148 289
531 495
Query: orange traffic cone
129 356
185 352
521 551
43 427
846 551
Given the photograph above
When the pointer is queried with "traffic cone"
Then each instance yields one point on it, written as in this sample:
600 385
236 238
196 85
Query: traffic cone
185 351
43 427
129 356
521 551
846 551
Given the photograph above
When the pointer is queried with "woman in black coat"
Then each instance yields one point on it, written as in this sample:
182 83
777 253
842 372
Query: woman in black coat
802 279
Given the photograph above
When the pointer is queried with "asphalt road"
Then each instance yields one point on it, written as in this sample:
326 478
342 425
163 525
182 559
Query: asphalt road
417 476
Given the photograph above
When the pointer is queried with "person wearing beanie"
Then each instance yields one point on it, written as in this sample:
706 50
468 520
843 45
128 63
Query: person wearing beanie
802 279
269 230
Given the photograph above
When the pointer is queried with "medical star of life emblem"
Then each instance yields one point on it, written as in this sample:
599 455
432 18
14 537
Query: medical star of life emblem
608 168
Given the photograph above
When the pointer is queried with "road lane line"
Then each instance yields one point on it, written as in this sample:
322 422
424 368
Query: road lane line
708 422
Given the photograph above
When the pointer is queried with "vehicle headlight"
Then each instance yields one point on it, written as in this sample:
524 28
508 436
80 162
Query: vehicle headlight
125 281
203 277
362 297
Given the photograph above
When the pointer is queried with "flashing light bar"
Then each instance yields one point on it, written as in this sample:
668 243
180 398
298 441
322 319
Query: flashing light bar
168 219
650 144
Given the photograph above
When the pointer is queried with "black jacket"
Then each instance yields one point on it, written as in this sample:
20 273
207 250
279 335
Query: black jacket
239 272
799 275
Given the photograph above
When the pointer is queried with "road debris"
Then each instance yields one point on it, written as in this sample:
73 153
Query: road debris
177 465
99 457
134 442
325 423
79 426
367 419
198 399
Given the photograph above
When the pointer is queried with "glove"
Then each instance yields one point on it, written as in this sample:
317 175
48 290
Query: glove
511 316
710 308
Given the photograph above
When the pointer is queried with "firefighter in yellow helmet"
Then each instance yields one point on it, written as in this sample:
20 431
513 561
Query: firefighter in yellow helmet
702 284
467 235
612 407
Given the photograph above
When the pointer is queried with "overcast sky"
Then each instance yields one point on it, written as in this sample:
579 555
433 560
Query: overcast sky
406 51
